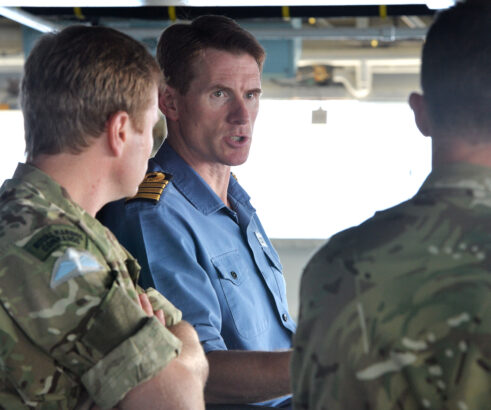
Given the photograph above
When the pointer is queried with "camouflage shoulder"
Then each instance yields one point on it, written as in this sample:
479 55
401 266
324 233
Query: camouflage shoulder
15 212
30 223
152 187
38 238
27 217
382 228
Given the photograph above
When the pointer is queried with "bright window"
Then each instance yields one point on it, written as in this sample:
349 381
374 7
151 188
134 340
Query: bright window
12 143
312 180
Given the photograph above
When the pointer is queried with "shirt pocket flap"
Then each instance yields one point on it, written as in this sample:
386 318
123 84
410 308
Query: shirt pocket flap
229 266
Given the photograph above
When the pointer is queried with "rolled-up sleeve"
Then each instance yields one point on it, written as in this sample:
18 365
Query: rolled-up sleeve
172 315
134 361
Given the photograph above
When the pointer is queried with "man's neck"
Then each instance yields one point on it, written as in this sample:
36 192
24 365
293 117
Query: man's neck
455 149
217 176
83 182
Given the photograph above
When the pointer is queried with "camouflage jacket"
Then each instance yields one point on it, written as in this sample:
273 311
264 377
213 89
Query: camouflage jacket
396 313
71 331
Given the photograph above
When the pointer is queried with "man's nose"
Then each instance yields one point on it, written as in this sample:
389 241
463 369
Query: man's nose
240 112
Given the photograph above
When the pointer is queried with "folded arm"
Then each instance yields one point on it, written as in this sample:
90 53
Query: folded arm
180 384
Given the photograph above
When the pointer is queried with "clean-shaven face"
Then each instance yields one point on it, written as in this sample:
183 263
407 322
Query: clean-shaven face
216 116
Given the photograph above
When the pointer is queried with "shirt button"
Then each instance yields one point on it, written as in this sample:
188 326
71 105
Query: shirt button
233 274
284 317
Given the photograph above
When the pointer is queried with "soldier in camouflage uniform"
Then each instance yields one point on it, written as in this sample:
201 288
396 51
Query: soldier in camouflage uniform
396 313
75 330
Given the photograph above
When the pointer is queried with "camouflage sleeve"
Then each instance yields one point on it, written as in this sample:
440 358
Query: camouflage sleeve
84 318
135 360
172 315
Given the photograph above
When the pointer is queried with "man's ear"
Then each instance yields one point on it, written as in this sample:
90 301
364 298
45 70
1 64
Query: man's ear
417 103
118 128
168 103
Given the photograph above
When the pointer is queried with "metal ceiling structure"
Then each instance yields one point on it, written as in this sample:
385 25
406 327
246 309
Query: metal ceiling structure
44 19
316 49
186 9
240 13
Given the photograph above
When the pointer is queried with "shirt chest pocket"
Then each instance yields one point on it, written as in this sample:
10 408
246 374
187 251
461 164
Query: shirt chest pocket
243 294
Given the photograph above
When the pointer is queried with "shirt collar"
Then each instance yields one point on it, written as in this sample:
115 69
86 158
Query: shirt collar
193 186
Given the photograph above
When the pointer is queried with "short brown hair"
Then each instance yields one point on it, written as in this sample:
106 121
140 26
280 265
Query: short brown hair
75 80
455 69
180 45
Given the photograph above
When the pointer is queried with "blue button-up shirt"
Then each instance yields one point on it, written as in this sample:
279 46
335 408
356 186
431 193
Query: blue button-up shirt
215 263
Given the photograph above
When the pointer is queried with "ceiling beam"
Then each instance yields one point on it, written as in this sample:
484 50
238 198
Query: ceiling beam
200 3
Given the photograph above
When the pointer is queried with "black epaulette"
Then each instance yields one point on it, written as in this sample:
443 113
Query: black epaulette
152 186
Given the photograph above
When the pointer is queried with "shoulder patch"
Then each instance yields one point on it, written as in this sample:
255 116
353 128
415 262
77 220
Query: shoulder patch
152 186
52 237
73 263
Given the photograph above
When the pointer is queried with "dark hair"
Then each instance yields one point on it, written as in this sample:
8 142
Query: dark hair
75 80
456 67
181 44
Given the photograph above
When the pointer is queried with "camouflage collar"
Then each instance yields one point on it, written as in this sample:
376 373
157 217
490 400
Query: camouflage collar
49 189
460 176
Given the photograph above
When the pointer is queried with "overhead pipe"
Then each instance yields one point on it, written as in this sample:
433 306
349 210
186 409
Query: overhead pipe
385 34
29 20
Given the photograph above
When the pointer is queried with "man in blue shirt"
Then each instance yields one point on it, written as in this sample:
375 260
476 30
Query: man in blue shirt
192 227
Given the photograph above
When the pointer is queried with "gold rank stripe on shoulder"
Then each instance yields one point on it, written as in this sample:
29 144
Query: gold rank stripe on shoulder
152 186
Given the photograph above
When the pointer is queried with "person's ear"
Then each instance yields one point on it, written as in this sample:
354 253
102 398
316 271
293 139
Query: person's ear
117 132
418 104
168 103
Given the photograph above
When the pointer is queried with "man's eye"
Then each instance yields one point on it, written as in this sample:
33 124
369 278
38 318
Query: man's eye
218 93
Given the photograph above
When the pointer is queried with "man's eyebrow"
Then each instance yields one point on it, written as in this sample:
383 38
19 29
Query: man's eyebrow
256 90
218 86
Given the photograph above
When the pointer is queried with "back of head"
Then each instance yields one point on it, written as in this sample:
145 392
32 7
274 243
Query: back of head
181 44
75 80
455 70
